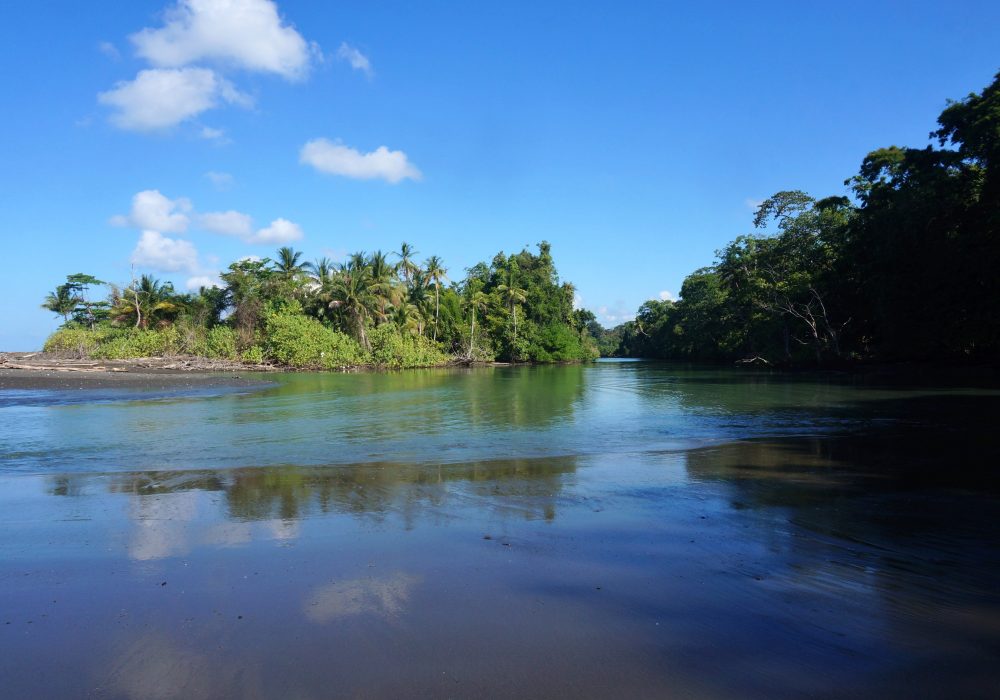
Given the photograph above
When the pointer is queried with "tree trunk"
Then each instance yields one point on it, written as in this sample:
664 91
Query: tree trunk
472 333
437 309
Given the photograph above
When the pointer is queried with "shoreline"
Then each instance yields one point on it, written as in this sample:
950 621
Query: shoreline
48 370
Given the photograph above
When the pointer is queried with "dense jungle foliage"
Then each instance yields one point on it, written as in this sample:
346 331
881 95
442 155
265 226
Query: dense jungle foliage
907 270
377 309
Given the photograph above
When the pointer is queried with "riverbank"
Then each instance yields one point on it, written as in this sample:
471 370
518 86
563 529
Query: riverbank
53 370
45 370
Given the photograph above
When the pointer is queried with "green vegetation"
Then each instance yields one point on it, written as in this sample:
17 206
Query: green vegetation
366 311
905 271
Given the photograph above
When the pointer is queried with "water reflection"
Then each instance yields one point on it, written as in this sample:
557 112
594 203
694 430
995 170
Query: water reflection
822 540
382 597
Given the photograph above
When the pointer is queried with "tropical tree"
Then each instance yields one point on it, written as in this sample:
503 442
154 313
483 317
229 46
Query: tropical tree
512 295
150 301
288 265
352 292
406 265
382 284
476 300
62 301
436 273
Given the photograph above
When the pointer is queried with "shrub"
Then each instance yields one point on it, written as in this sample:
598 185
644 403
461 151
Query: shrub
392 348
133 342
80 341
300 341
220 342
253 354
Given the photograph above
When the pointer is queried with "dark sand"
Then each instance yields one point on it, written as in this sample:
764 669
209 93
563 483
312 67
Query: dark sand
39 370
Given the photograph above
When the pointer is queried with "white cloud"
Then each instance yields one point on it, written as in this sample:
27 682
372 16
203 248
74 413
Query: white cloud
753 204
109 50
152 211
228 223
614 315
358 60
666 296
219 180
157 252
247 34
216 135
577 301
337 159
162 98
198 281
280 231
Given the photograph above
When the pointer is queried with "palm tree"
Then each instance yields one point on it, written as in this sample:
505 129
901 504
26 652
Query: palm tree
475 301
382 274
406 316
321 269
513 295
63 301
406 265
149 300
287 263
436 273
351 291
421 297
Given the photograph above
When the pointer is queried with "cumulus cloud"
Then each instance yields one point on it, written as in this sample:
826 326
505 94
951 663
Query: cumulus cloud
247 34
198 281
161 98
356 59
611 316
338 159
152 211
666 296
219 180
280 231
228 223
158 252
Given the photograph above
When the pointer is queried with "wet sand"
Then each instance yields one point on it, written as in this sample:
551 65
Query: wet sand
58 371
858 557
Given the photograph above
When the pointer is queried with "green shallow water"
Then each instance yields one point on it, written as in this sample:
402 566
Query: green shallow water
617 529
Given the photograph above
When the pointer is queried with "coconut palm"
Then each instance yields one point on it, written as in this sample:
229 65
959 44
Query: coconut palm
512 295
351 291
321 269
406 266
288 263
475 301
150 301
436 272
63 301
383 284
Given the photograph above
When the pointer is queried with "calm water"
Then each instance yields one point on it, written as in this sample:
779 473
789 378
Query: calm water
618 529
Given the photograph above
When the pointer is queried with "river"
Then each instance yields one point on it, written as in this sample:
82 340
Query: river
617 529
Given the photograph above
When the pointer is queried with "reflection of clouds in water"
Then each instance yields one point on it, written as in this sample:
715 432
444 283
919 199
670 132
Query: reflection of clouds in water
384 598
161 524
284 529
228 534
154 668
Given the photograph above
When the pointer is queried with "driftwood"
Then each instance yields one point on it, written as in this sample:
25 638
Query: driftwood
61 368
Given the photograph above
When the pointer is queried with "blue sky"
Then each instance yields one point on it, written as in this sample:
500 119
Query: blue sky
632 136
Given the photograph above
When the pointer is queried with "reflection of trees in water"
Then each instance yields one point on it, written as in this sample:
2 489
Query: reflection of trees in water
528 487
390 406
874 523
378 490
